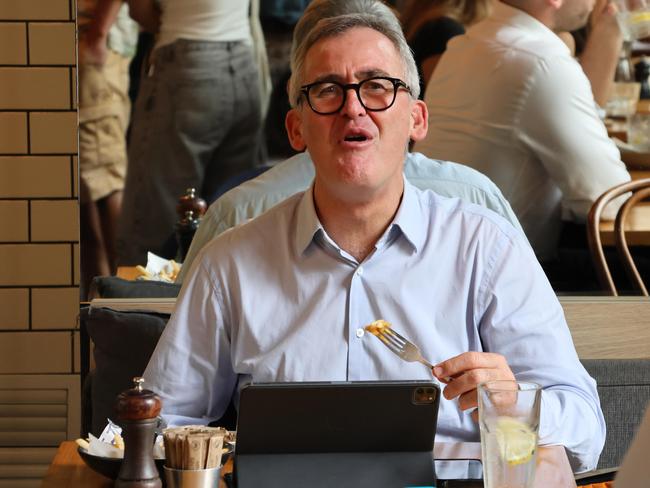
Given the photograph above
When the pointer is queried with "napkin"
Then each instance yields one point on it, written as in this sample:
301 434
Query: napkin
110 443
159 269
100 448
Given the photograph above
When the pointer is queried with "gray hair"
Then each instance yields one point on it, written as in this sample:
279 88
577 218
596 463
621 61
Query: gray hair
329 18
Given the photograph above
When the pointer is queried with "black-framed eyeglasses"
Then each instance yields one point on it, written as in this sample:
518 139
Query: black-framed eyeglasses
375 94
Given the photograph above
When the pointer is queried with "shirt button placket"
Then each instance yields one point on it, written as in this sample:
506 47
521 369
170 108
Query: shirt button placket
355 333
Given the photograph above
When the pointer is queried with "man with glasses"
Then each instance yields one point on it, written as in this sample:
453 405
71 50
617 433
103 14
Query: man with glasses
286 296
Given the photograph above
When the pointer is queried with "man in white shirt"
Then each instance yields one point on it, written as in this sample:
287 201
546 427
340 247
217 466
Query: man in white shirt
286 296
509 100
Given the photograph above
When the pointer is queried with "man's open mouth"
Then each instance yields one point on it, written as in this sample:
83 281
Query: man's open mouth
357 138
357 135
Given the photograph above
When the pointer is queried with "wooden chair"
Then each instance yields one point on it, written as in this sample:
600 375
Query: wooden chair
639 189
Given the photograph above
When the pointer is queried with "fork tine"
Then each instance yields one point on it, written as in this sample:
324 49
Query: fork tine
394 340
401 346
397 335
384 338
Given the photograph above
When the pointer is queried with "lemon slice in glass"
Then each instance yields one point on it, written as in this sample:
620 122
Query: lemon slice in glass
639 17
516 441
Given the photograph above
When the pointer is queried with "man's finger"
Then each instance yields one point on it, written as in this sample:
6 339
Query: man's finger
467 361
475 415
469 380
468 400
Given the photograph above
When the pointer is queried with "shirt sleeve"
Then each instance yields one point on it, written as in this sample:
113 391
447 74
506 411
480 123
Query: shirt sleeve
533 335
559 122
190 368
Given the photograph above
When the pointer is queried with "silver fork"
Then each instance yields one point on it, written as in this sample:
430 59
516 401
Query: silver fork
401 346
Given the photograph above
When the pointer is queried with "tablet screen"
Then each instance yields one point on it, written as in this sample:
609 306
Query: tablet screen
452 473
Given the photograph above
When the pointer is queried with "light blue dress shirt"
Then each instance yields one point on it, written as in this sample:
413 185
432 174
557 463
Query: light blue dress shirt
275 299
294 175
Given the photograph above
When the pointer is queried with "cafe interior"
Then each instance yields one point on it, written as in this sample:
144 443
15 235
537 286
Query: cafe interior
91 270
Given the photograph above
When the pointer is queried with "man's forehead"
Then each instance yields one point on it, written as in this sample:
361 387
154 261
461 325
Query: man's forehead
362 51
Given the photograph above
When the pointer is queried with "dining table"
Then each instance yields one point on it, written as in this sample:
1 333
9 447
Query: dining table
637 230
68 470
634 158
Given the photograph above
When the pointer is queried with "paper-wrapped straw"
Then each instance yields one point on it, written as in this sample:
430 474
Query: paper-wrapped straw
193 447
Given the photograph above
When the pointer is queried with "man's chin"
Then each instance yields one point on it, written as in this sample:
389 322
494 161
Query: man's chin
574 24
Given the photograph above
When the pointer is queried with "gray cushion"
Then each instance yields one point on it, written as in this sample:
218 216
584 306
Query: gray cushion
624 389
114 287
124 342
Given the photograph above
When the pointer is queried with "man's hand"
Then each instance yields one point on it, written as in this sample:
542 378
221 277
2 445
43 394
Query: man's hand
604 16
468 370
93 49
601 52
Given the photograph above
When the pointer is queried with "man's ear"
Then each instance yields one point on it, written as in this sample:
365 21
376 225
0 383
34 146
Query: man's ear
293 124
419 120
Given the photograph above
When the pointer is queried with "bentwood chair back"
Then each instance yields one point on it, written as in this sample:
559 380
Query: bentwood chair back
639 190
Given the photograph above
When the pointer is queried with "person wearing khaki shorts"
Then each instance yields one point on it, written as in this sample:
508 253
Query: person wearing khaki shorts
104 108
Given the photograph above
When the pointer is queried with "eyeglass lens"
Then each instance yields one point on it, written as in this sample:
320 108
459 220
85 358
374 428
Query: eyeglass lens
374 94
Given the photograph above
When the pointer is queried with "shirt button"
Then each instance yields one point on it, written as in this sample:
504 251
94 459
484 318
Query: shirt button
360 333
360 271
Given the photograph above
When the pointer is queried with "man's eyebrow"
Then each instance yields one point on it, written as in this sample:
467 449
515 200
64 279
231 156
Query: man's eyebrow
328 77
371 73
360 75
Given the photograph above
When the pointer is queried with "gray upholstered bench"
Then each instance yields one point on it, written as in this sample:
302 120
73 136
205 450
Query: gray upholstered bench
624 389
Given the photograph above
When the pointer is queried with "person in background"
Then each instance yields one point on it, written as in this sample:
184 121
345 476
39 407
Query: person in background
197 119
597 47
286 296
107 42
530 124
253 198
430 24
278 18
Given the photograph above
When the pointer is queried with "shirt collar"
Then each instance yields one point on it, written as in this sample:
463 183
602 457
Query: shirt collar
307 223
506 14
409 220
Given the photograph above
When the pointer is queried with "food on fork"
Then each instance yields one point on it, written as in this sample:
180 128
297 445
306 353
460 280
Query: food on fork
400 345
378 327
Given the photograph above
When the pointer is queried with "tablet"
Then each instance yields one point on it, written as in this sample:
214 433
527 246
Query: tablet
365 416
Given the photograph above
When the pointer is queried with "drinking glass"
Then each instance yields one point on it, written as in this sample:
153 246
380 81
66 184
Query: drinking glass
638 134
634 18
509 424
623 99
622 103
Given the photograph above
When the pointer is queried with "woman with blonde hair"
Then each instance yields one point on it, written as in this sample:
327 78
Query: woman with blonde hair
430 24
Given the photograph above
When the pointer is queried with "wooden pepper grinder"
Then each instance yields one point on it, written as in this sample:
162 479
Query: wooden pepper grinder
191 201
185 230
190 209
138 411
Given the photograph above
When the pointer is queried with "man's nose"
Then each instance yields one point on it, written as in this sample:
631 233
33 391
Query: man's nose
352 106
